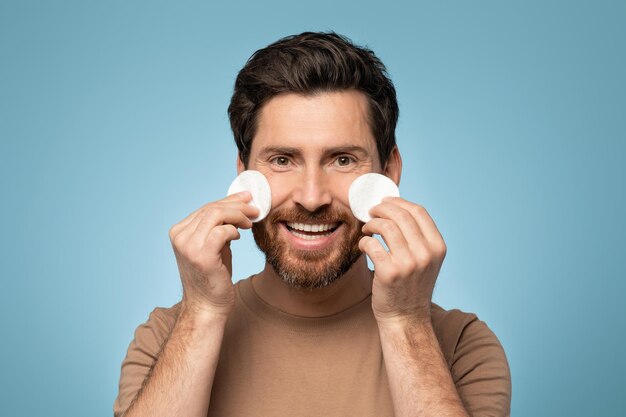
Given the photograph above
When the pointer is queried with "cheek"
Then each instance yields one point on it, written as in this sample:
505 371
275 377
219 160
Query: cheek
340 186
281 187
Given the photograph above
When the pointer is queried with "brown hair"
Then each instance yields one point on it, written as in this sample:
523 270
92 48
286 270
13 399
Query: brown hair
310 63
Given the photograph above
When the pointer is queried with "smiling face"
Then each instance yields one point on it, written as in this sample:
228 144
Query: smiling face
311 148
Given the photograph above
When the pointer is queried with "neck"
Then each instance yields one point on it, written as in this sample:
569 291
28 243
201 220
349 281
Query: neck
349 289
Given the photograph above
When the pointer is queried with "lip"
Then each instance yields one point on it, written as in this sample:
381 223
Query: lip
314 244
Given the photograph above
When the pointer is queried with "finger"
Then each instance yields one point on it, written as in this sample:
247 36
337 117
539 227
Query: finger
201 226
417 242
420 249
250 211
220 216
178 227
238 200
220 236
376 252
391 234
405 220
246 208
211 217
243 196
424 220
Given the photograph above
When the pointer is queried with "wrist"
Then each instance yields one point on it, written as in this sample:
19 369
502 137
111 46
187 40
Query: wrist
417 321
417 315
201 316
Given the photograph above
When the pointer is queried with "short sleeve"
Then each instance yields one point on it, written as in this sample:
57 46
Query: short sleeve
141 355
481 372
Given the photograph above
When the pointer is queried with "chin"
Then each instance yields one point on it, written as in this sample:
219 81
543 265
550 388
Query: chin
312 275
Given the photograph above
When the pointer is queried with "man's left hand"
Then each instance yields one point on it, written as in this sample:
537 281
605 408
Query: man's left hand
404 277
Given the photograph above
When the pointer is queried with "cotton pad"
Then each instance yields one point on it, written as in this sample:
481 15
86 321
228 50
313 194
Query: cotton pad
367 191
257 184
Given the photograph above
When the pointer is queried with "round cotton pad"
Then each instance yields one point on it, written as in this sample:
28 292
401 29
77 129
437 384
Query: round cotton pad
367 191
257 184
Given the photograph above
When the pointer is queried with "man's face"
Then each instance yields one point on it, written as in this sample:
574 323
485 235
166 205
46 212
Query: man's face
311 148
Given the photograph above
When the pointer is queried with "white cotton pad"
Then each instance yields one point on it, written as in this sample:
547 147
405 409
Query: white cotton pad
257 184
367 191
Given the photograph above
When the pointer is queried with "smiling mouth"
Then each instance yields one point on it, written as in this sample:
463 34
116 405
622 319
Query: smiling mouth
309 231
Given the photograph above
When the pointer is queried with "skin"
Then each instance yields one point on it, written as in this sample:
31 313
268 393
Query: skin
310 149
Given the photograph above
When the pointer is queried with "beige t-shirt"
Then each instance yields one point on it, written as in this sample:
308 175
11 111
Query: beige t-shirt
276 364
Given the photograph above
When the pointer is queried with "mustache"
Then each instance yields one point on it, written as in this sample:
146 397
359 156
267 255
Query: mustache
300 215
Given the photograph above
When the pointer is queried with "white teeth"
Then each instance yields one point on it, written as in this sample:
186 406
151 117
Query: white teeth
312 227
309 237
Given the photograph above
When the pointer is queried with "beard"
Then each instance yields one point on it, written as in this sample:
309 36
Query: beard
309 269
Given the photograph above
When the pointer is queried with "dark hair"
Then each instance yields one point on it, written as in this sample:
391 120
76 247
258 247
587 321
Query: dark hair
311 63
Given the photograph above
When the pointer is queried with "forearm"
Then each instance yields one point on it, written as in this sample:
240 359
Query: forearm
181 379
419 379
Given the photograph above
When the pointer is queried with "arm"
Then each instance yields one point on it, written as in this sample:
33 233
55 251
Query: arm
419 379
404 279
180 381
181 378
478 368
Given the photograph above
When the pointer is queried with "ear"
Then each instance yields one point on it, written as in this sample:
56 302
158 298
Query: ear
393 167
240 165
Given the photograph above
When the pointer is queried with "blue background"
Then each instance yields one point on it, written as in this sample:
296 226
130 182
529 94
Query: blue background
113 127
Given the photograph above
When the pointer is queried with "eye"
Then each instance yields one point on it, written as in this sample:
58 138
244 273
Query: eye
280 160
344 160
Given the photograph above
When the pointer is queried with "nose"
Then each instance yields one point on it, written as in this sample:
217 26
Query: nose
312 191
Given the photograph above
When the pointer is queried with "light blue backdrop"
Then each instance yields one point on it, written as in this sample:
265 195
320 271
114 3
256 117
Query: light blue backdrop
113 126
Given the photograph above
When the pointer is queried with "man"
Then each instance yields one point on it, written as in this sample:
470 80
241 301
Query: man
315 333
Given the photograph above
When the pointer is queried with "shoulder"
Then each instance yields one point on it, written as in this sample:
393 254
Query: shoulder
164 318
142 353
477 361
449 325
150 335
459 333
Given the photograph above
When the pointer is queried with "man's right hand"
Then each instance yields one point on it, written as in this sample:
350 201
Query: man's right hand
201 244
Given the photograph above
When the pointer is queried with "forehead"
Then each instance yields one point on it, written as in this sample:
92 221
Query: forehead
323 120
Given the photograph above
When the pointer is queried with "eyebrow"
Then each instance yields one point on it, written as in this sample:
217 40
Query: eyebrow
286 150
